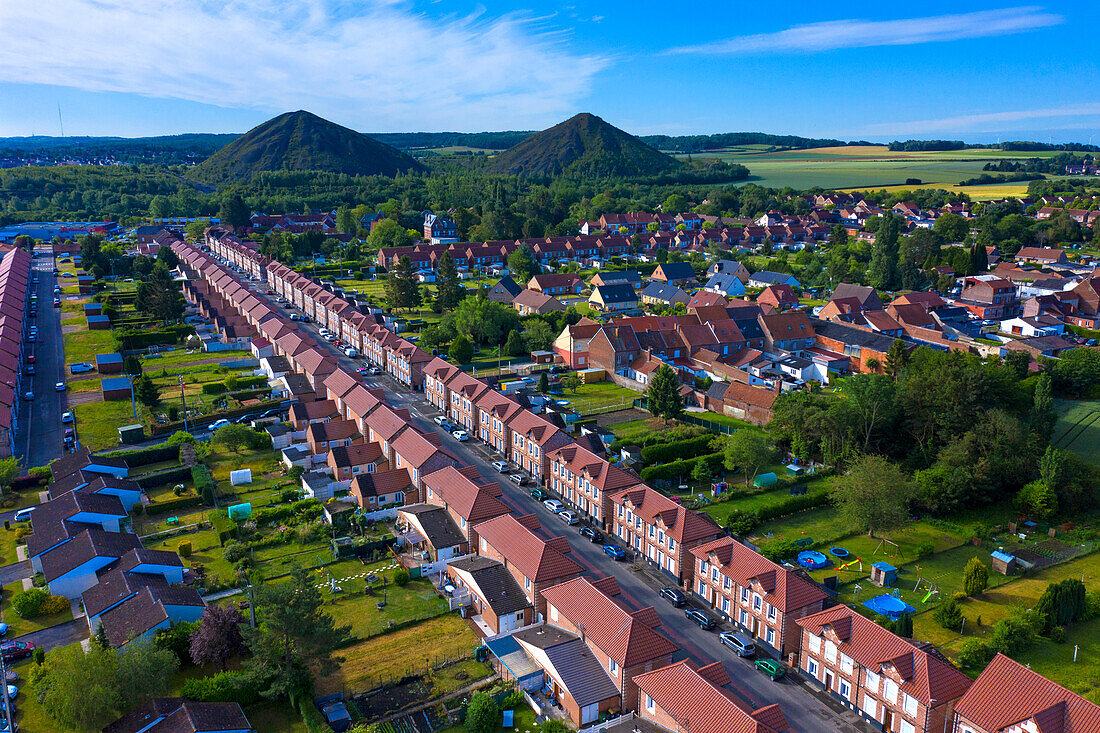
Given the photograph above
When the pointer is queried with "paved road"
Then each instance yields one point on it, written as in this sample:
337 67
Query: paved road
805 710
39 438
15 571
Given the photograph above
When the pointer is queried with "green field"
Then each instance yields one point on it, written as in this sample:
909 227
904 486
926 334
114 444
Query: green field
1078 428
871 166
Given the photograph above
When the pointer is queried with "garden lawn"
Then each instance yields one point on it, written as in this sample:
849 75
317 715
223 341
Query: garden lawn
417 600
180 357
18 626
276 716
524 720
446 680
599 396
97 423
1078 428
380 659
998 602
8 543
84 345
720 511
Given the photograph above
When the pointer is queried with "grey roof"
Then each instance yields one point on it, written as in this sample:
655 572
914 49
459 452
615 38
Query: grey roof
724 281
717 390
495 584
438 525
176 715
677 270
576 665
772 278
852 335
665 292
88 545
617 292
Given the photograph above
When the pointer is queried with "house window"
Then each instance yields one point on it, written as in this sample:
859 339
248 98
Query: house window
771 612
910 705
813 642
744 595
725 605
726 582
871 681
649 704
553 613
870 706
757 602
769 635
744 617
714 574
845 690
907 727
612 666
890 690
811 667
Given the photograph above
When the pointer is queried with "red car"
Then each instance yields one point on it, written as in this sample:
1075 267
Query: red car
29 358
13 650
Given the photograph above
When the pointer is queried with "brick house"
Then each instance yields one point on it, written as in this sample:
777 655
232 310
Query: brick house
786 331
614 349
780 297
625 643
533 302
557 283
495 594
1034 704
586 481
465 391
466 499
347 462
536 564
494 411
324 436
993 298
618 296
761 597
674 273
421 454
661 530
859 345
533 439
900 684
437 373
381 490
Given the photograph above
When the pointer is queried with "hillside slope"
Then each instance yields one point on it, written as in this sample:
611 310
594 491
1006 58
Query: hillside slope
583 145
302 141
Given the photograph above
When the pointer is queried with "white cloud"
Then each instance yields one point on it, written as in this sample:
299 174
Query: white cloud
835 34
372 65
988 122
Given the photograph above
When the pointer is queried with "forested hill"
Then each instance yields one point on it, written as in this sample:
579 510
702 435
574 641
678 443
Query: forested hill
302 141
583 145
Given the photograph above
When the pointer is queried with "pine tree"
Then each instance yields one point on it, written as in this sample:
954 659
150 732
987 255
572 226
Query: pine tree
514 345
145 391
402 289
448 287
975 577
663 394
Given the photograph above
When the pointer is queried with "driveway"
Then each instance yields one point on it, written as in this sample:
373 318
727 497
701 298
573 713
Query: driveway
38 439
15 571
805 710
64 634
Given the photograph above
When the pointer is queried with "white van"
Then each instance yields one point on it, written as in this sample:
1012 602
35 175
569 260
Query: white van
24 515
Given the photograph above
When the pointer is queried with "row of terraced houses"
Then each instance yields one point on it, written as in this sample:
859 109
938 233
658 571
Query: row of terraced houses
576 635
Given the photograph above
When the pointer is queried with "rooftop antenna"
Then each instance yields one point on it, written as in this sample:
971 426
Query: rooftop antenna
59 120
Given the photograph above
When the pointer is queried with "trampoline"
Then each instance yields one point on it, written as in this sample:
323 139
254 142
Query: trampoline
812 559
838 552
888 605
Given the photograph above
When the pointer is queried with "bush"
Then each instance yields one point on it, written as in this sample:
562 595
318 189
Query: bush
513 701
401 577
214 388
184 548
674 469
223 525
975 577
204 482
234 551
975 654
52 605
39 656
741 522
28 603
779 550
1058 634
925 550
173 505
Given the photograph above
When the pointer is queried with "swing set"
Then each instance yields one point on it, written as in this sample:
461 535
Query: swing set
924 584
881 548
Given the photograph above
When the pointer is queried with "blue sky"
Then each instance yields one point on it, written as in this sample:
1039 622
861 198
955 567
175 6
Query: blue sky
977 71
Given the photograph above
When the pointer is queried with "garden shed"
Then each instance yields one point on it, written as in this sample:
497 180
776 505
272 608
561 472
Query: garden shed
883 574
765 480
1003 562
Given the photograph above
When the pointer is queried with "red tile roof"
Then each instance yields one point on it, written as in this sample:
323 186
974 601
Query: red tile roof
474 503
535 558
695 698
621 635
923 673
1008 694
681 524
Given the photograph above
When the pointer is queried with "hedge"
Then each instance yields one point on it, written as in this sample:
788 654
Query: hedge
173 475
250 394
223 525
214 388
171 505
145 456
675 469
238 687
793 505
252 382
677 450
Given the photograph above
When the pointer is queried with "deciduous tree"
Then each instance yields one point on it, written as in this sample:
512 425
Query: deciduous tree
218 637
748 450
873 495
663 394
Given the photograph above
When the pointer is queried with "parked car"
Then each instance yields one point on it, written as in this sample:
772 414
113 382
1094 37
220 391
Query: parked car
569 517
500 466
442 420
594 535
217 425
770 667
13 650
375 370
29 396
29 370
59 386
518 479
57 302
24 515
705 621
78 368
553 505
460 435
295 317
673 595
66 417
739 642
614 552
539 494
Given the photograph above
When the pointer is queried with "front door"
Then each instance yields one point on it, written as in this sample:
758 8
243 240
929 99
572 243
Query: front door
828 680
887 719
755 626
